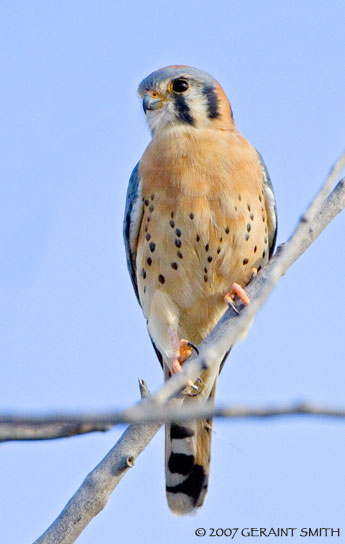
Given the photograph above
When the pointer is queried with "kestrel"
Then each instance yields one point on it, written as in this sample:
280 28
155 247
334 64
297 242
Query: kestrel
200 220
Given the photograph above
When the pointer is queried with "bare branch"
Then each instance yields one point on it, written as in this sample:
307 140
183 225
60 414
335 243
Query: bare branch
40 428
52 427
95 490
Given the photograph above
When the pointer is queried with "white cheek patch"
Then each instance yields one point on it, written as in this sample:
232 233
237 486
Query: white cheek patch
198 108
159 119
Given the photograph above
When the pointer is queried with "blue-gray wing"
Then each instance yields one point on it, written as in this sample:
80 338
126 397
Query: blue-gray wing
131 224
271 207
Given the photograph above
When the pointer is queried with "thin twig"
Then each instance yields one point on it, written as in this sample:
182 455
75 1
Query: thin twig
50 427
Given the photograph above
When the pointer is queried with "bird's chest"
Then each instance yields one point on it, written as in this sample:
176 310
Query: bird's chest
194 243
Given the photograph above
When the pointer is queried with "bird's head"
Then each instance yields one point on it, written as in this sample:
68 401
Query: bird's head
178 96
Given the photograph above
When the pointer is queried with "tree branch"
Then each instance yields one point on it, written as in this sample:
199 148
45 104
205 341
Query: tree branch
96 488
23 428
94 492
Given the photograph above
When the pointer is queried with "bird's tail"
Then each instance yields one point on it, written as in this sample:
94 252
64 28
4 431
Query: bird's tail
187 459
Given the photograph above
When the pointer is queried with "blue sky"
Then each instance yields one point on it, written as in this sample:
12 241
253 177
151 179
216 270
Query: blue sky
72 335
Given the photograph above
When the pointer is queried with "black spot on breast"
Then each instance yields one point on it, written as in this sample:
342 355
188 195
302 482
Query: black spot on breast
152 197
174 266
179 254
218 250
152 246
172 215
161 278
252 216
205 278
260 198
249 227
179 432
247 237
143 273
146 202
172 224
255 249
197 238
227 230
180 463
245 261
207 247
235 208
178 232
248 206
148 236
149 261
210 259
263 254
205 270
191 215
151 208
239 197
178 243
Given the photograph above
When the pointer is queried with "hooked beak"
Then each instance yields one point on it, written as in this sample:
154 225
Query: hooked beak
150 103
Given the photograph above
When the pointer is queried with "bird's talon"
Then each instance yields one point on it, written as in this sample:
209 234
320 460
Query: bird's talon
192 386
236 289
228 300
186 348
180 355
189 344
191 390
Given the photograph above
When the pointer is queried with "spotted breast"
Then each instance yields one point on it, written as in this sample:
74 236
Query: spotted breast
204 227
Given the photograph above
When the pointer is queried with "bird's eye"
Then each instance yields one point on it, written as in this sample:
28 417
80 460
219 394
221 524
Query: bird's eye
180 85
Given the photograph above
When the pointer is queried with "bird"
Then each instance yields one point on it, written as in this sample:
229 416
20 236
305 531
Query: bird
200 221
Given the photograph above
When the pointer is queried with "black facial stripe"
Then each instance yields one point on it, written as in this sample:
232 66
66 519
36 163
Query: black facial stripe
181 463
179 431
192 486
212 102
182 110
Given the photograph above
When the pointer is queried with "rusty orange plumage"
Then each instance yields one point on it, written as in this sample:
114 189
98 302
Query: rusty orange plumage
200 217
